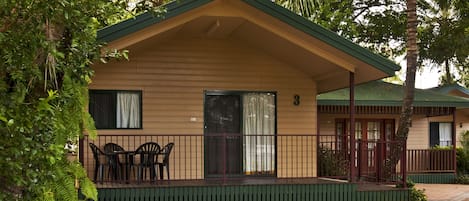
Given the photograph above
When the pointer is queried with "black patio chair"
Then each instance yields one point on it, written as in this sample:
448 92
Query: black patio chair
147 154
165 152
101 161
116 164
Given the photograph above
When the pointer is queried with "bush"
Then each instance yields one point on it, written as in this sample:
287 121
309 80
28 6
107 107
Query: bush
332 162
462 154
415 194
462 179
462 160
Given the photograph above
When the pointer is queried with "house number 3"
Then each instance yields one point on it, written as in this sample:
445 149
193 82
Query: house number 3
296 100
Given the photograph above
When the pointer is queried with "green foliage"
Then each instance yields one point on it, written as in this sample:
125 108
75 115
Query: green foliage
462 154
444 39
462 179
380 25
47 50
462 160
331 162
415 194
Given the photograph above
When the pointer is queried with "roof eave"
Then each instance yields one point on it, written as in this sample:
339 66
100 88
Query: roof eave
126 27
393 103
175 8
327 36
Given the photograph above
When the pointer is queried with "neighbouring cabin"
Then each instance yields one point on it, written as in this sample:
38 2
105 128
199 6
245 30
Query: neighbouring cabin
231 83
438 121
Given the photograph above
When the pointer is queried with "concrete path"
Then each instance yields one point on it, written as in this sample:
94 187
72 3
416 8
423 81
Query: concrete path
445 192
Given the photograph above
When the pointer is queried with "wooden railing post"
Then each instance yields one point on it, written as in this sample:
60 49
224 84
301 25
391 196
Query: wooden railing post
453 138
353 174
404 164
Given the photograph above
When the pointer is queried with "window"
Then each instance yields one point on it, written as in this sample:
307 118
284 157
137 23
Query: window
441 134
259 130
112 109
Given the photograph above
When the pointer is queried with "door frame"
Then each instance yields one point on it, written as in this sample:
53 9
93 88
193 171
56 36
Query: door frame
363 162
239 93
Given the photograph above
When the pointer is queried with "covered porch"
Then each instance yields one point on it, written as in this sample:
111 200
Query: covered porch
264 159
294 177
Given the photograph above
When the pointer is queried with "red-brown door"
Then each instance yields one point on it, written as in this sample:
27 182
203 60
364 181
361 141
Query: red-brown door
372 145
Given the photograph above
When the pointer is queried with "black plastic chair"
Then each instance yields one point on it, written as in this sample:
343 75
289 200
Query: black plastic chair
147 154
115 163
101 160
165 152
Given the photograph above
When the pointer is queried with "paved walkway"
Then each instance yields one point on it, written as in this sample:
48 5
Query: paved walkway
445 192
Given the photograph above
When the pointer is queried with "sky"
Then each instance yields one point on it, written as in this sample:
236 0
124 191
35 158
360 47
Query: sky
426 79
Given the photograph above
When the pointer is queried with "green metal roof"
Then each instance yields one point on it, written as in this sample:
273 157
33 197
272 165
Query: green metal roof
142 21
379 93
446 89
147 19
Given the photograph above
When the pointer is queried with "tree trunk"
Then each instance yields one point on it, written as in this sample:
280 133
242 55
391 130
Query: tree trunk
409 88
449 79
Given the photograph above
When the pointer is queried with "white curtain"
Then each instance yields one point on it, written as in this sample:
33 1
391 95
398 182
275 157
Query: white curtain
128 110
445 134
259 130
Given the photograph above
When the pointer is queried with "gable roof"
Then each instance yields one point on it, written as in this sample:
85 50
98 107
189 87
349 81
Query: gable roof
452 89
379 93
132 25
323 56
179 7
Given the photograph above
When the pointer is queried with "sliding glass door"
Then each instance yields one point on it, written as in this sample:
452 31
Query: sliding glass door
240 133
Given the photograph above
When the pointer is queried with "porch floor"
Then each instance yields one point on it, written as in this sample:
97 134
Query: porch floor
244 182
220 182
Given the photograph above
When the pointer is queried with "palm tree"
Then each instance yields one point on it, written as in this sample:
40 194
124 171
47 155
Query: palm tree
304 8
407 103
443 36
412 52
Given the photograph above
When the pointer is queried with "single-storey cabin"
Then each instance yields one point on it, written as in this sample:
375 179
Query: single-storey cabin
438 121
232 83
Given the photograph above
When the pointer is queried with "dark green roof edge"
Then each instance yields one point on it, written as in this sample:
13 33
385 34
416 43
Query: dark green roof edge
326 35
144 20
447 88
379 93
394 103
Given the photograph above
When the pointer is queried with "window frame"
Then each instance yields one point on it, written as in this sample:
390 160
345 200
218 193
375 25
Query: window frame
438 132
114 93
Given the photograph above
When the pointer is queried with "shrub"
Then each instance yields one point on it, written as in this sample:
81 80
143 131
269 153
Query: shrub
332 162
462 179
415 194
462 160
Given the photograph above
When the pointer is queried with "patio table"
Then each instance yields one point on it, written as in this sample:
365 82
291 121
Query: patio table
128 161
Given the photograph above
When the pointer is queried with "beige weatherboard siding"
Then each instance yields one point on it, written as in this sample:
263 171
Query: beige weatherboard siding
174 75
